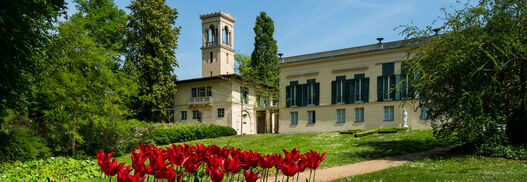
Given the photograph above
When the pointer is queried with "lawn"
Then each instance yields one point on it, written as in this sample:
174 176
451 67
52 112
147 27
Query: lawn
451 168
340 149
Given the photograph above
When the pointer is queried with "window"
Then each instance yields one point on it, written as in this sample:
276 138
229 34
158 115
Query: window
424 113
311 117
293 95
310 91
387 86
244 91
359 114
196 114
388 113
341 115
211 57
340 91
202 92
221 112
227 58
294 118
183 115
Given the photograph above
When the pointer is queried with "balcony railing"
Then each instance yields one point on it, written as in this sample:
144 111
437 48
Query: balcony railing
199 100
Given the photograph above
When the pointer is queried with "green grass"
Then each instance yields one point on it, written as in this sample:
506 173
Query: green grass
451 168
340 149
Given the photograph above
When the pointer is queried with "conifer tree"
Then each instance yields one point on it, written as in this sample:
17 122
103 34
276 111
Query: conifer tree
264 61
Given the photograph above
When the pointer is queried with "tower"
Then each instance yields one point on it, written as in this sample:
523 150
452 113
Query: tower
217 48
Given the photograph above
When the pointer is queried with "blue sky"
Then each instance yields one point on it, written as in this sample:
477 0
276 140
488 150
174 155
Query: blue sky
301 26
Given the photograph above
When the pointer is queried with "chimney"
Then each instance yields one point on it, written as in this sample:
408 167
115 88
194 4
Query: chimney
381 45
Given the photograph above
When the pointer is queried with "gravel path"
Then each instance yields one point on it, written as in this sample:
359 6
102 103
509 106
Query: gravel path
337 172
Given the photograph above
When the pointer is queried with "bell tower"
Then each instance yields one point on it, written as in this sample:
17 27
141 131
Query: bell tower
217 48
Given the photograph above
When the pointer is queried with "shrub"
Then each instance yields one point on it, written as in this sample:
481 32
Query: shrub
52 169
510 151
364 132
20 145
163 133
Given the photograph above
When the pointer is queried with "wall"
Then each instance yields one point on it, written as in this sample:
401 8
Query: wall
325 71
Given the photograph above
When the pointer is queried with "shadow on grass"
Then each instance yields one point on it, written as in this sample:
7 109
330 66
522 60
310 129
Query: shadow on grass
378 149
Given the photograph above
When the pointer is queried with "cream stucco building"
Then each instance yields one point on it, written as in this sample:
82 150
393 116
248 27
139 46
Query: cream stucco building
353 88
220 96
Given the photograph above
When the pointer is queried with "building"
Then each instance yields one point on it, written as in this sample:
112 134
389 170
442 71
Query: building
220 96
353 88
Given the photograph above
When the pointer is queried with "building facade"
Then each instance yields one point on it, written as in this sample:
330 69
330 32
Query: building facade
220 96
353 88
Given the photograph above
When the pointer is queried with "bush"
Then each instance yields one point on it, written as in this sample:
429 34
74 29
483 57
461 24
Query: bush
20 145
52 169
364 132
510 151
163 133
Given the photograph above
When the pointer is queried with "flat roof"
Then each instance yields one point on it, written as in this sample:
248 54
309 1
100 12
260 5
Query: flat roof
400 44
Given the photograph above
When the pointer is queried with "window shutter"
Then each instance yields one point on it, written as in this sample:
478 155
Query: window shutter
398 85
287 96
379 88
388 69
350 84
316 100
366 89
347 91
304 95
299 95
209 91
392 92
333 92
194 91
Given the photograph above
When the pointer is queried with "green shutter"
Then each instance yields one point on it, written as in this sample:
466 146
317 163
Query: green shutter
388 69
351 90
304 95
316 100
333 92
398 85
287 96
366 89
299 95
347 90
379 88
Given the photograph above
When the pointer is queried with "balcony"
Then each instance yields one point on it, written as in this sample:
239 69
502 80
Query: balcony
197 101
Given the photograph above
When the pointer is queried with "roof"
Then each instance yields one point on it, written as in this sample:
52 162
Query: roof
379 47
227 76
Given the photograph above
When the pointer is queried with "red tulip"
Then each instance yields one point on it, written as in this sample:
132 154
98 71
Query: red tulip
250 176
138 163
164 172
157 161
216 175
191 165
232 166
266 162
124 176
314 159
289 169
177 158
103 159
291 156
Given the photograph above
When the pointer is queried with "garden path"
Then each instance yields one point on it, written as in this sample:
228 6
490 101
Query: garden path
338 172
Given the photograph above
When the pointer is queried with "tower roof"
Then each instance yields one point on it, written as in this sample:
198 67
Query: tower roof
226 15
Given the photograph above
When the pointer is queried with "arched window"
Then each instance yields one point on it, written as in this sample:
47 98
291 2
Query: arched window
211 35
226 39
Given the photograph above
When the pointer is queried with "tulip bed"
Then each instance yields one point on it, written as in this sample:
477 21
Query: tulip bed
201 163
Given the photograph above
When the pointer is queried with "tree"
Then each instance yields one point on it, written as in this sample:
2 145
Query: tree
24 35
264 59
82 88
151 40
473 76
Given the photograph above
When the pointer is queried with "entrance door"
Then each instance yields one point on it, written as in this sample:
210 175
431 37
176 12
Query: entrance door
260 121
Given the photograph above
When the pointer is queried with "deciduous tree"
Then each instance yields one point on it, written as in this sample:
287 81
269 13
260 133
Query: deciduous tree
151 41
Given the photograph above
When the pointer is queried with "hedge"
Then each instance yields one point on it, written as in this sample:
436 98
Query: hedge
162 133
364 132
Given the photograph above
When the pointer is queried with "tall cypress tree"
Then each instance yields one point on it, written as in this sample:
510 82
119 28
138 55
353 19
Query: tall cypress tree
264 61
152 39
